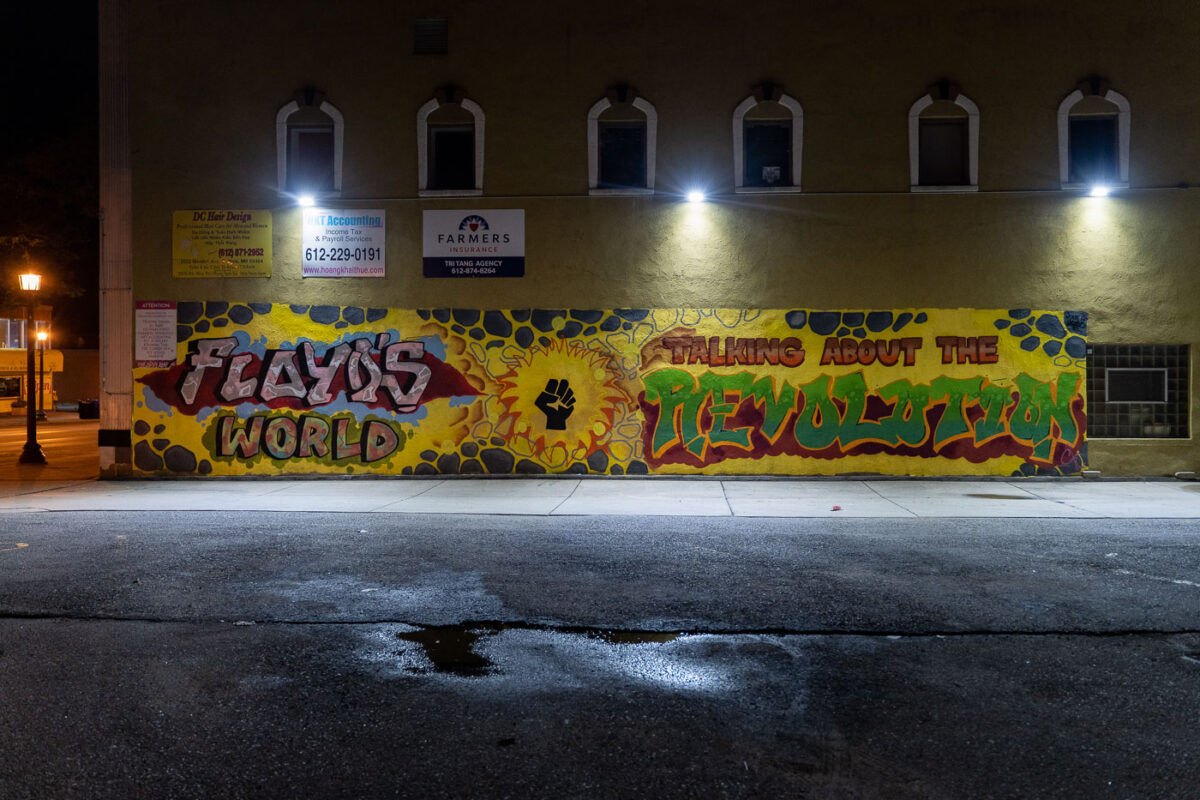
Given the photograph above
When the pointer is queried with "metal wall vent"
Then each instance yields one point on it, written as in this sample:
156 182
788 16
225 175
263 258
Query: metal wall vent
431 37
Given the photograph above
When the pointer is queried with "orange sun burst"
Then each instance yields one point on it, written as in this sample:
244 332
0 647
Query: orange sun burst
535 400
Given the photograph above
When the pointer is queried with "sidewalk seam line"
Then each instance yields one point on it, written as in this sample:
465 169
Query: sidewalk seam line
560 504
725 494
905 509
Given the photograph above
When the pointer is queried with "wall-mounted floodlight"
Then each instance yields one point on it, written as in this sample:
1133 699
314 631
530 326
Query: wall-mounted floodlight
1099 190
306 200
695 196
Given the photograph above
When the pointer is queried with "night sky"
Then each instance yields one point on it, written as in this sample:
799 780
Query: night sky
49 173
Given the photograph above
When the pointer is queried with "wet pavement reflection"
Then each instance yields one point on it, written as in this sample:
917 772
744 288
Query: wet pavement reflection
456 649
450 650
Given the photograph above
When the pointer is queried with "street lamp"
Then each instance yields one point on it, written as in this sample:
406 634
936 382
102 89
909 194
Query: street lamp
42 336
32 454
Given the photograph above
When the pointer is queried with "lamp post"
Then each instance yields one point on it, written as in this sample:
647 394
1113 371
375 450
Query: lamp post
42 336
32 454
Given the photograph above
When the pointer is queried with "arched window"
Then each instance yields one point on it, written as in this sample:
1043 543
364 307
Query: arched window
943 141
768 134
309 132
622 138
1093 136
450 130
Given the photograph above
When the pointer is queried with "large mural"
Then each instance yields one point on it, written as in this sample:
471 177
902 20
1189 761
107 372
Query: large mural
271 389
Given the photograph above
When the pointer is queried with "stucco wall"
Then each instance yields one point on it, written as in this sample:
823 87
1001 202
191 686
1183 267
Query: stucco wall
203 137
80 378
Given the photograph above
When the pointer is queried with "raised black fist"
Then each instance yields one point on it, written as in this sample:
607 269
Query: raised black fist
557 402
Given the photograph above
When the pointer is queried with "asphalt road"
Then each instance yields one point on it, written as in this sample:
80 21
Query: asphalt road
341 655
68 443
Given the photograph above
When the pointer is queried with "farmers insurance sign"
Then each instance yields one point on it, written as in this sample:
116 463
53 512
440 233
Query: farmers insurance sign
474 244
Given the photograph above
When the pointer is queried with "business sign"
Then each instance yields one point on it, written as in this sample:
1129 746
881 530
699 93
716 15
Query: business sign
155 327
343 243
474 244
14 362
221 244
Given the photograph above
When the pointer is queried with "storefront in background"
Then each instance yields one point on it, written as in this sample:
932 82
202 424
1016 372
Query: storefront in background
14 366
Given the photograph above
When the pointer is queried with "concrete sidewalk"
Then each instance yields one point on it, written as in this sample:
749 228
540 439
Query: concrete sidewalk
570 496
67 483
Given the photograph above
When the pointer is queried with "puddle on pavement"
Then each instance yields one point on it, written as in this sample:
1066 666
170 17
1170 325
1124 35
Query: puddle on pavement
451 649
1003 496
632 637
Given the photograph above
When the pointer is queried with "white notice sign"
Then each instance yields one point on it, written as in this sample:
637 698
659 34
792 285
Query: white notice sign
154 321
341 243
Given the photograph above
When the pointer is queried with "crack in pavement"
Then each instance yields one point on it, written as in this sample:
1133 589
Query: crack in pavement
599 630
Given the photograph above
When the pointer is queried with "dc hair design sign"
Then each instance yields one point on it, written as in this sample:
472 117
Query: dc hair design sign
343 243
221 243
488 243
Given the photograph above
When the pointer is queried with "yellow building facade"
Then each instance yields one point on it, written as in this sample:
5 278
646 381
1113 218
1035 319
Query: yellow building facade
898 266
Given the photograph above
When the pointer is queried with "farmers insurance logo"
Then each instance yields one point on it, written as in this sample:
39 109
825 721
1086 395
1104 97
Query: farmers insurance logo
473 230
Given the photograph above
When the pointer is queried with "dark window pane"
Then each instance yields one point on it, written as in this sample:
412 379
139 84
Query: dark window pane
10 387
310 158
1093 149
622 154
768 156
451 157
1129 397
1136 386
943 153
13 333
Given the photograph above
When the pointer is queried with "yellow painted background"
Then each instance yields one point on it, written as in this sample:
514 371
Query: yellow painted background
508 357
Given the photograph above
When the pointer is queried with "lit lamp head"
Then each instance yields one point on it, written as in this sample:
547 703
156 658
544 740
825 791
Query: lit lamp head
306 201
1099 190
30 282
42 336
695 196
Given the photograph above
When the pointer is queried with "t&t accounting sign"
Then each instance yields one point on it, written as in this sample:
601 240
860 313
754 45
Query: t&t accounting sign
343 243
488 243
